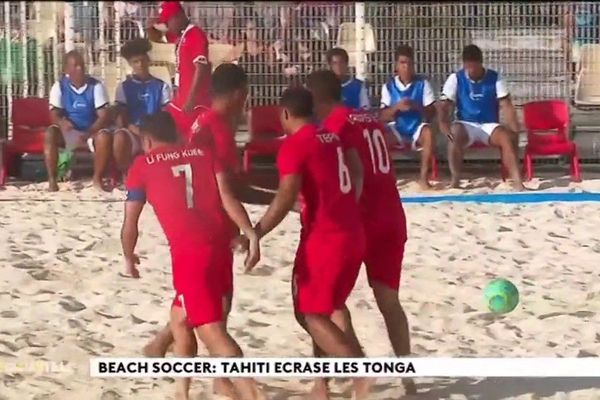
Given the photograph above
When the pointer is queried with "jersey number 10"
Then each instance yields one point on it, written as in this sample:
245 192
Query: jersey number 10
378 148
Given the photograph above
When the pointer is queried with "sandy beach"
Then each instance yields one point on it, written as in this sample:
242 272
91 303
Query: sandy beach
62 298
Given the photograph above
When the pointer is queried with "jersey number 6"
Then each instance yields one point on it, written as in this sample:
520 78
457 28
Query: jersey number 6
344 172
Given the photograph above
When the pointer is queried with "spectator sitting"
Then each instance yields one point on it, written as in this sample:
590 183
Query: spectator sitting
354 91
478 93
140 94
407 103
79 112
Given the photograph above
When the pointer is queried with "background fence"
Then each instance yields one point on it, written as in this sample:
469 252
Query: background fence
279 42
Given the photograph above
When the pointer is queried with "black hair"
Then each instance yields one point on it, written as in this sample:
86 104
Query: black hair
472 53
404 50
337 52
72 54
228 78
324 85
298 102
160 126
136 47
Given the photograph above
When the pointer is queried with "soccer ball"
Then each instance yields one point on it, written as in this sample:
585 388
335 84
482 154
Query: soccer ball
501 296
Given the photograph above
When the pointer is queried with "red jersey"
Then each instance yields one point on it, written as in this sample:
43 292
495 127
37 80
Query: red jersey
328 199
212 131
191 49
362 131
179 182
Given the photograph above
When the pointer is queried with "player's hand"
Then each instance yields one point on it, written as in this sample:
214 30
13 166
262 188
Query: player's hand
404 105
131 264
189 105
240 244
253 255
134 129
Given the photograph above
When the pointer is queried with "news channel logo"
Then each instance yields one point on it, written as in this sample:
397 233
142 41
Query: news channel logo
37 367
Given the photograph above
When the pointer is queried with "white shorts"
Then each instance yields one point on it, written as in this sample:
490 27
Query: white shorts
478 132
403 138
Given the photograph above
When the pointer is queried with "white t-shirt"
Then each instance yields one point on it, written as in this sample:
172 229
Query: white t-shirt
100 95
451 88
386 98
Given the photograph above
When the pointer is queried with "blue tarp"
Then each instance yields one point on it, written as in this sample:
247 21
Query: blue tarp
507 198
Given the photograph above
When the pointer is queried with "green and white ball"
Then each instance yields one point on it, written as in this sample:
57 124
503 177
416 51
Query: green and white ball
501 296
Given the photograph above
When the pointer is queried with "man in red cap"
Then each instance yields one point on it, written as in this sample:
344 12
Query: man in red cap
193 68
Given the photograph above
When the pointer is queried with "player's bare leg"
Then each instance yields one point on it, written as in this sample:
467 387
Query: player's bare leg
103 153
396 323
426 143
320 389
159 345
185 346
122 150
504 139
456 152
224 386
220 344
52 142
333 341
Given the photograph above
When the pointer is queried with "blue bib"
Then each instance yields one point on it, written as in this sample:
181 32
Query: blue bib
407 122
477 101
351 93
143 97
80 108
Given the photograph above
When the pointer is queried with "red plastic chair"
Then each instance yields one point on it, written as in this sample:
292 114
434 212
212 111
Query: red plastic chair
547 124
30 118
266 133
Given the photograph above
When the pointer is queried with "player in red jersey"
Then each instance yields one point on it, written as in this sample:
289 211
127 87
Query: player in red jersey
213 130
311 162
191 215
193 68
383 215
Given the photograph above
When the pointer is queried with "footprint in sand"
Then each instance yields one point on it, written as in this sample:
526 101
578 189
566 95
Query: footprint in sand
110 395
8 314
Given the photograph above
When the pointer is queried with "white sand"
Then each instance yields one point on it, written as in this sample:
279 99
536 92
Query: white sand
62 299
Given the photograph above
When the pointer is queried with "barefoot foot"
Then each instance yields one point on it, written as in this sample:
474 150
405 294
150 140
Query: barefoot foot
409 385
224 387
362 386
424 184
319 391
155 349
52 186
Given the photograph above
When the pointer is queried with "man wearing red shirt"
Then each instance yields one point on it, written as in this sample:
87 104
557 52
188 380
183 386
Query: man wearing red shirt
191 215
213 131
193 68
383 215
311 162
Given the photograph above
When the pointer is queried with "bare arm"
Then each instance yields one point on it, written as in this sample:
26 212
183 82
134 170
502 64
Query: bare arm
357 172
102 121
239 216
199 73
285 198
444 108
57 115
510 112
429 112
388 114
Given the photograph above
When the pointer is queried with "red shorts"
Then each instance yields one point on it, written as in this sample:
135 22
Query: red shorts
184 121
325 270
201 280
384 254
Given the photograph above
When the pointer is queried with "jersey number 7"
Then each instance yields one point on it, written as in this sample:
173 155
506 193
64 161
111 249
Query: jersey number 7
186 170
